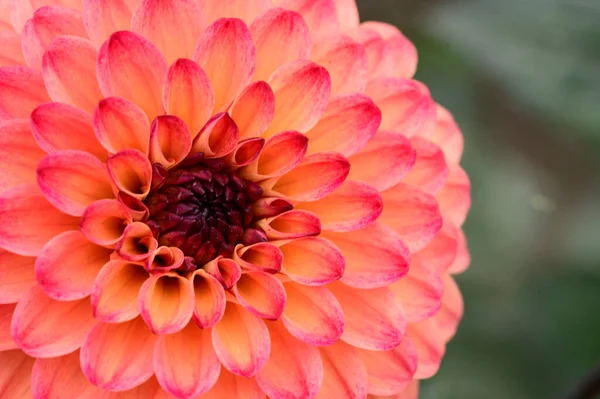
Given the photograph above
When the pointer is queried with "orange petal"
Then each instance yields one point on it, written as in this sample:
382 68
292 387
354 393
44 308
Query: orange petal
61 377
17 276
451 311
19 154
10 42
46 24
412 213
21 90
430 171
72 180
312 314
384 161
131 172
129 66
352 206
44 327
430 347
281 36
373 318
406 106
346 61
261 256
312 261
455 197
294 369
245 152
104 222
69 66
173 26
347 13
164 259
226 52
57 127
209 297
185 363
15 374
170 141
390 372
253 110
218 137
103 17
233 386
242 9
375 256
302 91
6 341
261 294
327 171
448 136
241 341
120 124
320 16
292 224
226 271
344 374
67 266
270 206
463 258
280 154
28 221
115 291
138 242
442 250
130 345
188 94
347 125
411 392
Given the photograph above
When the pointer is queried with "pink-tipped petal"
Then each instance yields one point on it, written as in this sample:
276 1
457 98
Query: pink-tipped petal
412 213
170 141
218 137
405 104
344 374
430 170
225 270
10 43
47 24
430 347
442 250
172 26
129 66
61 377
209 302
312 314
346 61
312 261
115 291
347 14
104 222
44 327
320 16
448 136
69 67
67 266
375 256
28 220
245 152
384 161
164 259
242 9
455 197
58 127
18 276
352 206
253 110
292 224
281 36
19 154
72 180
21 91
390 372
262 256
166 303
260 293
103 17
6 341
15 374
328 170
131 172
188 94
138 243
280 154
230 385
131 347
294 369
241 341
373 318
451 311
185 363
226 52
347 125
270 206
302 91
463 258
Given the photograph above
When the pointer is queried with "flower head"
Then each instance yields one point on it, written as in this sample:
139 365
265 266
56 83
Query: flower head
221 199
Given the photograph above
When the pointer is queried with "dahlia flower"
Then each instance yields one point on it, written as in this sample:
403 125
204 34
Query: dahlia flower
221 199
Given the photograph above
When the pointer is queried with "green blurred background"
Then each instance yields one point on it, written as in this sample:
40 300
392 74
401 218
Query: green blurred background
522 78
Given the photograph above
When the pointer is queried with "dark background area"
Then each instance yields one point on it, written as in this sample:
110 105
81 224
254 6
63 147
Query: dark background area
522 78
